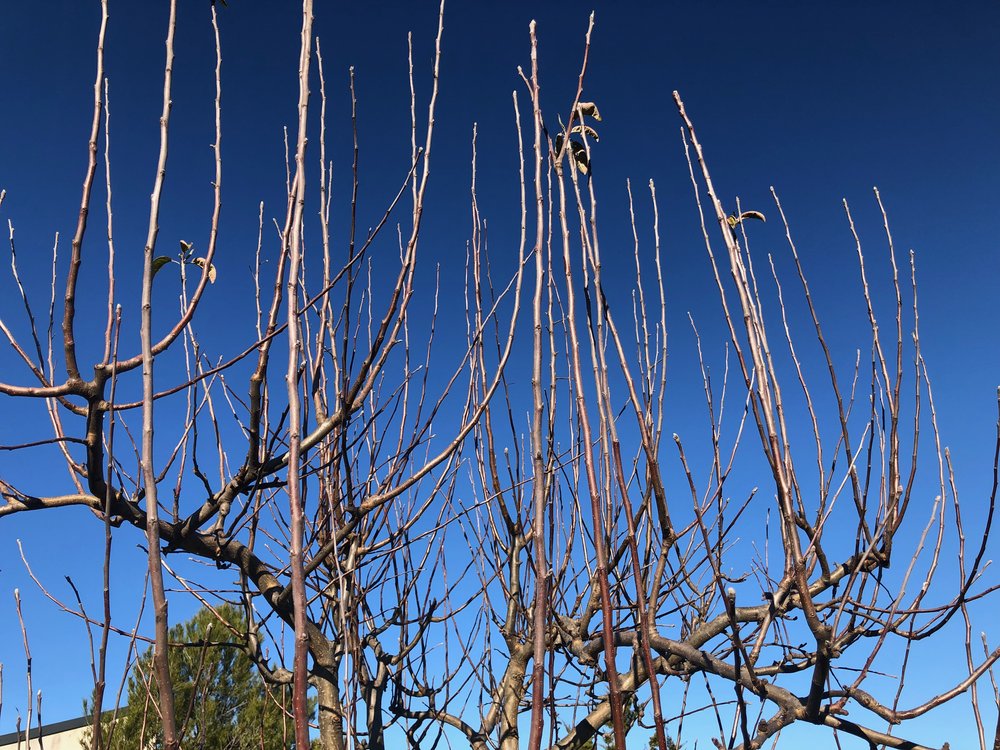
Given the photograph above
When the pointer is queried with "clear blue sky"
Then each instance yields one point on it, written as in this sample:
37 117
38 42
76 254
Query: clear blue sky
822 101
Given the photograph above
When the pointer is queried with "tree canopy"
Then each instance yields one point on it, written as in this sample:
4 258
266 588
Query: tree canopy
222 702
433 447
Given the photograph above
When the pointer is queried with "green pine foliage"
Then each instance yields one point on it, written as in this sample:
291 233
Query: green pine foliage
633 712
221 701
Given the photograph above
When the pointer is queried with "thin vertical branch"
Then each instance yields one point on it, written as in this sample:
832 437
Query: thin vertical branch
539 483
97 727
160 661
293 242
111 237
69 310
586 435
27 660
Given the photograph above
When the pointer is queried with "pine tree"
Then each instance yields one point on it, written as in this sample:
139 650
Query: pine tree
222 702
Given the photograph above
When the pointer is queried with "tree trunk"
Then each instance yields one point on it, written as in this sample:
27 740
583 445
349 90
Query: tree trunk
331 721
514 694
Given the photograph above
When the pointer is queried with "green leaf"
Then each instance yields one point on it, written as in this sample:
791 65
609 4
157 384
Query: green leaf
200 262
158 263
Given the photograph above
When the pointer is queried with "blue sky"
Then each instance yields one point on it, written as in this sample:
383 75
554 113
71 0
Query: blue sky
821 101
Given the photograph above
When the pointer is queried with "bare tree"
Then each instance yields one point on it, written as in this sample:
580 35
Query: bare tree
457 555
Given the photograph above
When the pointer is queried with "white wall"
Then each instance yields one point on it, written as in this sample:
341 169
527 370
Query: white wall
70 739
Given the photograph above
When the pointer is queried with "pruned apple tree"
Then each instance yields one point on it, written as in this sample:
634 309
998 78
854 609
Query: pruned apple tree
511 542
